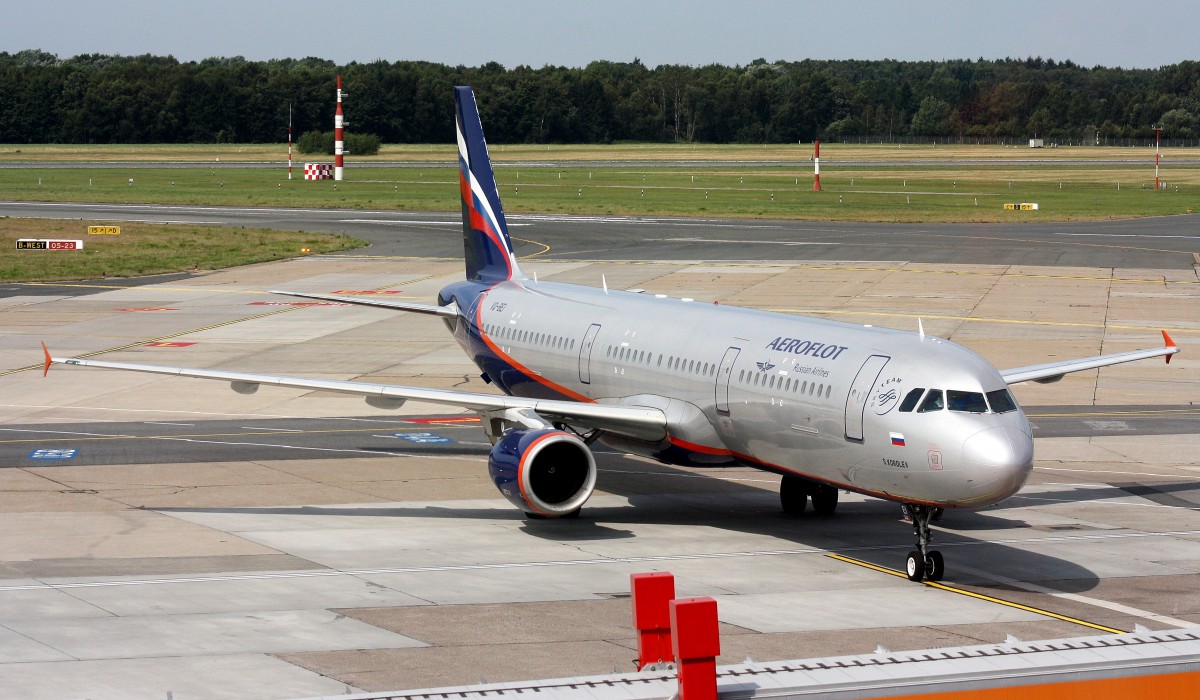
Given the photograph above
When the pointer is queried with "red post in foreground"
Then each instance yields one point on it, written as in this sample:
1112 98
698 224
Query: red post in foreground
652 595
817 166
696 643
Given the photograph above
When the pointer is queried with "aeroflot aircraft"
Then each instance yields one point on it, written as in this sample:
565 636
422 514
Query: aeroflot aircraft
902 416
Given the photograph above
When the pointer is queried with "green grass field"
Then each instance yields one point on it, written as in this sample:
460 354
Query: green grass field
147 249
508 153
861 183
865 193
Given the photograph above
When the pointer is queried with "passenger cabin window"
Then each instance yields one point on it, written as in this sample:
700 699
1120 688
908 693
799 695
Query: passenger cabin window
934 401
1001 401
966 401
910 400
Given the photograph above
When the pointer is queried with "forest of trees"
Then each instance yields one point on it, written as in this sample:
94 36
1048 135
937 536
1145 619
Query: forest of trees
151 99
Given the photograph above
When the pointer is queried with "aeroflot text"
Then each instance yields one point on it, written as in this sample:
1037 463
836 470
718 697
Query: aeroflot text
806 347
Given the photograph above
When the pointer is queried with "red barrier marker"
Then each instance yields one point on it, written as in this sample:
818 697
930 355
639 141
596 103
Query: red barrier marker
652 595
696 643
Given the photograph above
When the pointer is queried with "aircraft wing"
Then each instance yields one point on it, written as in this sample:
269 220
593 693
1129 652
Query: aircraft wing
1054 371
450 311
633 421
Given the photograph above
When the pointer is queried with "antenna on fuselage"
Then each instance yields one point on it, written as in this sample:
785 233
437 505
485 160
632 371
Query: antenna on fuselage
604 282
920 328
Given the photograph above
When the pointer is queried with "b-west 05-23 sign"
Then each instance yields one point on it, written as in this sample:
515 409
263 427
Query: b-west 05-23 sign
48 244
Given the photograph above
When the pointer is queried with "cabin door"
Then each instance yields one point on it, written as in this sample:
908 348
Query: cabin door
723 375
585 353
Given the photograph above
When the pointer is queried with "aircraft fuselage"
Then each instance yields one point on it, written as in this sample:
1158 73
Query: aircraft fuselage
794 395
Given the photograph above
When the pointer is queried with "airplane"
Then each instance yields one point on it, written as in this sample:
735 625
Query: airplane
829 406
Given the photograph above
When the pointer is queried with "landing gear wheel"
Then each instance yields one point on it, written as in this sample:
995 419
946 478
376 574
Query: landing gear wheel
573 515
915 566
923 562
793 495
530 515
824 499
935 566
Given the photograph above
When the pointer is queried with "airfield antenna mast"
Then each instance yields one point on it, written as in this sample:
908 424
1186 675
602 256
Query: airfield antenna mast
1157 152
339 145
289 140
817 165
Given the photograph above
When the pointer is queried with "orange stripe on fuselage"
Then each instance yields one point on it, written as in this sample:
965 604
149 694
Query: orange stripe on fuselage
575 396
702 449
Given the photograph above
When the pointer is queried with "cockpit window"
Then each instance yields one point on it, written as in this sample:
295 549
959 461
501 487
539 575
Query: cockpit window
1002 401
966 401
934 401
911 399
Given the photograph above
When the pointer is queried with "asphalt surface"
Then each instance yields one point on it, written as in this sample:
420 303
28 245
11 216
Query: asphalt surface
160 442
301 546
1158 243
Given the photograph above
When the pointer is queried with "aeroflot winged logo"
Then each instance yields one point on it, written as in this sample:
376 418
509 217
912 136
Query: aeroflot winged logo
811 348
765 366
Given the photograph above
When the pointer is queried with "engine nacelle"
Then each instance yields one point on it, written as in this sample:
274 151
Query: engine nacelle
547 472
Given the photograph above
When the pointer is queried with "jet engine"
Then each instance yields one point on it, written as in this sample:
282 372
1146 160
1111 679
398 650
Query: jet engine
544 472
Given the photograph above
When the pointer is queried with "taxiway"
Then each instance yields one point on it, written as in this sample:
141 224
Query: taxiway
169 535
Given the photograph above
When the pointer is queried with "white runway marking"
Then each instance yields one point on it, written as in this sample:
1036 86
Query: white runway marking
1086 600
1124 235
730 240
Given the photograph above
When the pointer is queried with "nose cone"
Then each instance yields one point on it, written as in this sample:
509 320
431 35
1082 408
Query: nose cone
998 460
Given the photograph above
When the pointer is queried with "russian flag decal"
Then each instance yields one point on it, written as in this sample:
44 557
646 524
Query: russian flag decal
897 439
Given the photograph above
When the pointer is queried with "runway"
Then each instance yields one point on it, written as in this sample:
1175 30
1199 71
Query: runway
169 535
1152 243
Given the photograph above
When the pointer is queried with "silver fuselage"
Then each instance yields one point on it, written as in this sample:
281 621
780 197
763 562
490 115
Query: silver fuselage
788 394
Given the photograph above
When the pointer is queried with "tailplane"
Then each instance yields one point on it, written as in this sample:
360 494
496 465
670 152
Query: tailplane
487 247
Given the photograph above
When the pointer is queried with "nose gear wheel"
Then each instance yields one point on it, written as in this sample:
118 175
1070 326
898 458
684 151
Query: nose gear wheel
923 563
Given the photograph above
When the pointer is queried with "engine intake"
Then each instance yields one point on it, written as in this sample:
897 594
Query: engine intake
548 472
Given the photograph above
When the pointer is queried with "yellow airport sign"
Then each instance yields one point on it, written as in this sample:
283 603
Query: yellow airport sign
104 230
1023 206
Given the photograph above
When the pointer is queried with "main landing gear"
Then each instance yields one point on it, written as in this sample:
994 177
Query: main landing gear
924 563
795 492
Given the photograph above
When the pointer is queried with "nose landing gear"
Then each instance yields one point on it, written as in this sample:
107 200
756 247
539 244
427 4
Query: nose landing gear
924 563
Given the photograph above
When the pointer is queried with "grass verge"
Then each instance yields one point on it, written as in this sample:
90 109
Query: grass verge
147 249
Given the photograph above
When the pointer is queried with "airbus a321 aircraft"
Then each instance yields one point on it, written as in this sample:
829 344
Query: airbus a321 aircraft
902 416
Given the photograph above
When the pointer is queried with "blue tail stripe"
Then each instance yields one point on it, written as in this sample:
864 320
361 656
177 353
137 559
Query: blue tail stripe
487 247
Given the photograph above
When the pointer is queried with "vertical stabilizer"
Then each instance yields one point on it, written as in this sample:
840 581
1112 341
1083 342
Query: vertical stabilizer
487 247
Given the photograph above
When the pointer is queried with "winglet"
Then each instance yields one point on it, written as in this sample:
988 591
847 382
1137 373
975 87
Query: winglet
48 361
1171 344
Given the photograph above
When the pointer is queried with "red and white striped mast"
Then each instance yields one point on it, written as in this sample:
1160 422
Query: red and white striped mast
1157 152
289 140
817 165
339 144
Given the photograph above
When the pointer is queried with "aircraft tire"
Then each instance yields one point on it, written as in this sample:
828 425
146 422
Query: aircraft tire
914 567
824 499
529 515
793 495
935 566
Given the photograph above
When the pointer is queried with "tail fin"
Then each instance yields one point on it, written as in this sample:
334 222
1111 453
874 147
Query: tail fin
487 247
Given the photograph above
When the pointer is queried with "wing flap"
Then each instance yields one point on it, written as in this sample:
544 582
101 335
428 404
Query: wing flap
1053 371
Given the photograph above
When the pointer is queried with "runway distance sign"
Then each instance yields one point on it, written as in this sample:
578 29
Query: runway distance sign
104 230
48 244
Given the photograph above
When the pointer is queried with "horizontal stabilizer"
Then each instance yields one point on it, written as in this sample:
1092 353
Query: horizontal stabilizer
444 311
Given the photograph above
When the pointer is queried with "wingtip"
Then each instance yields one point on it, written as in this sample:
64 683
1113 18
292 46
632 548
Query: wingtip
1171 344
48 360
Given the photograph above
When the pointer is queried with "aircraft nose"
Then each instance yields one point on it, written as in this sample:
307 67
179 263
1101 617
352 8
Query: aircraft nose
1002 459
